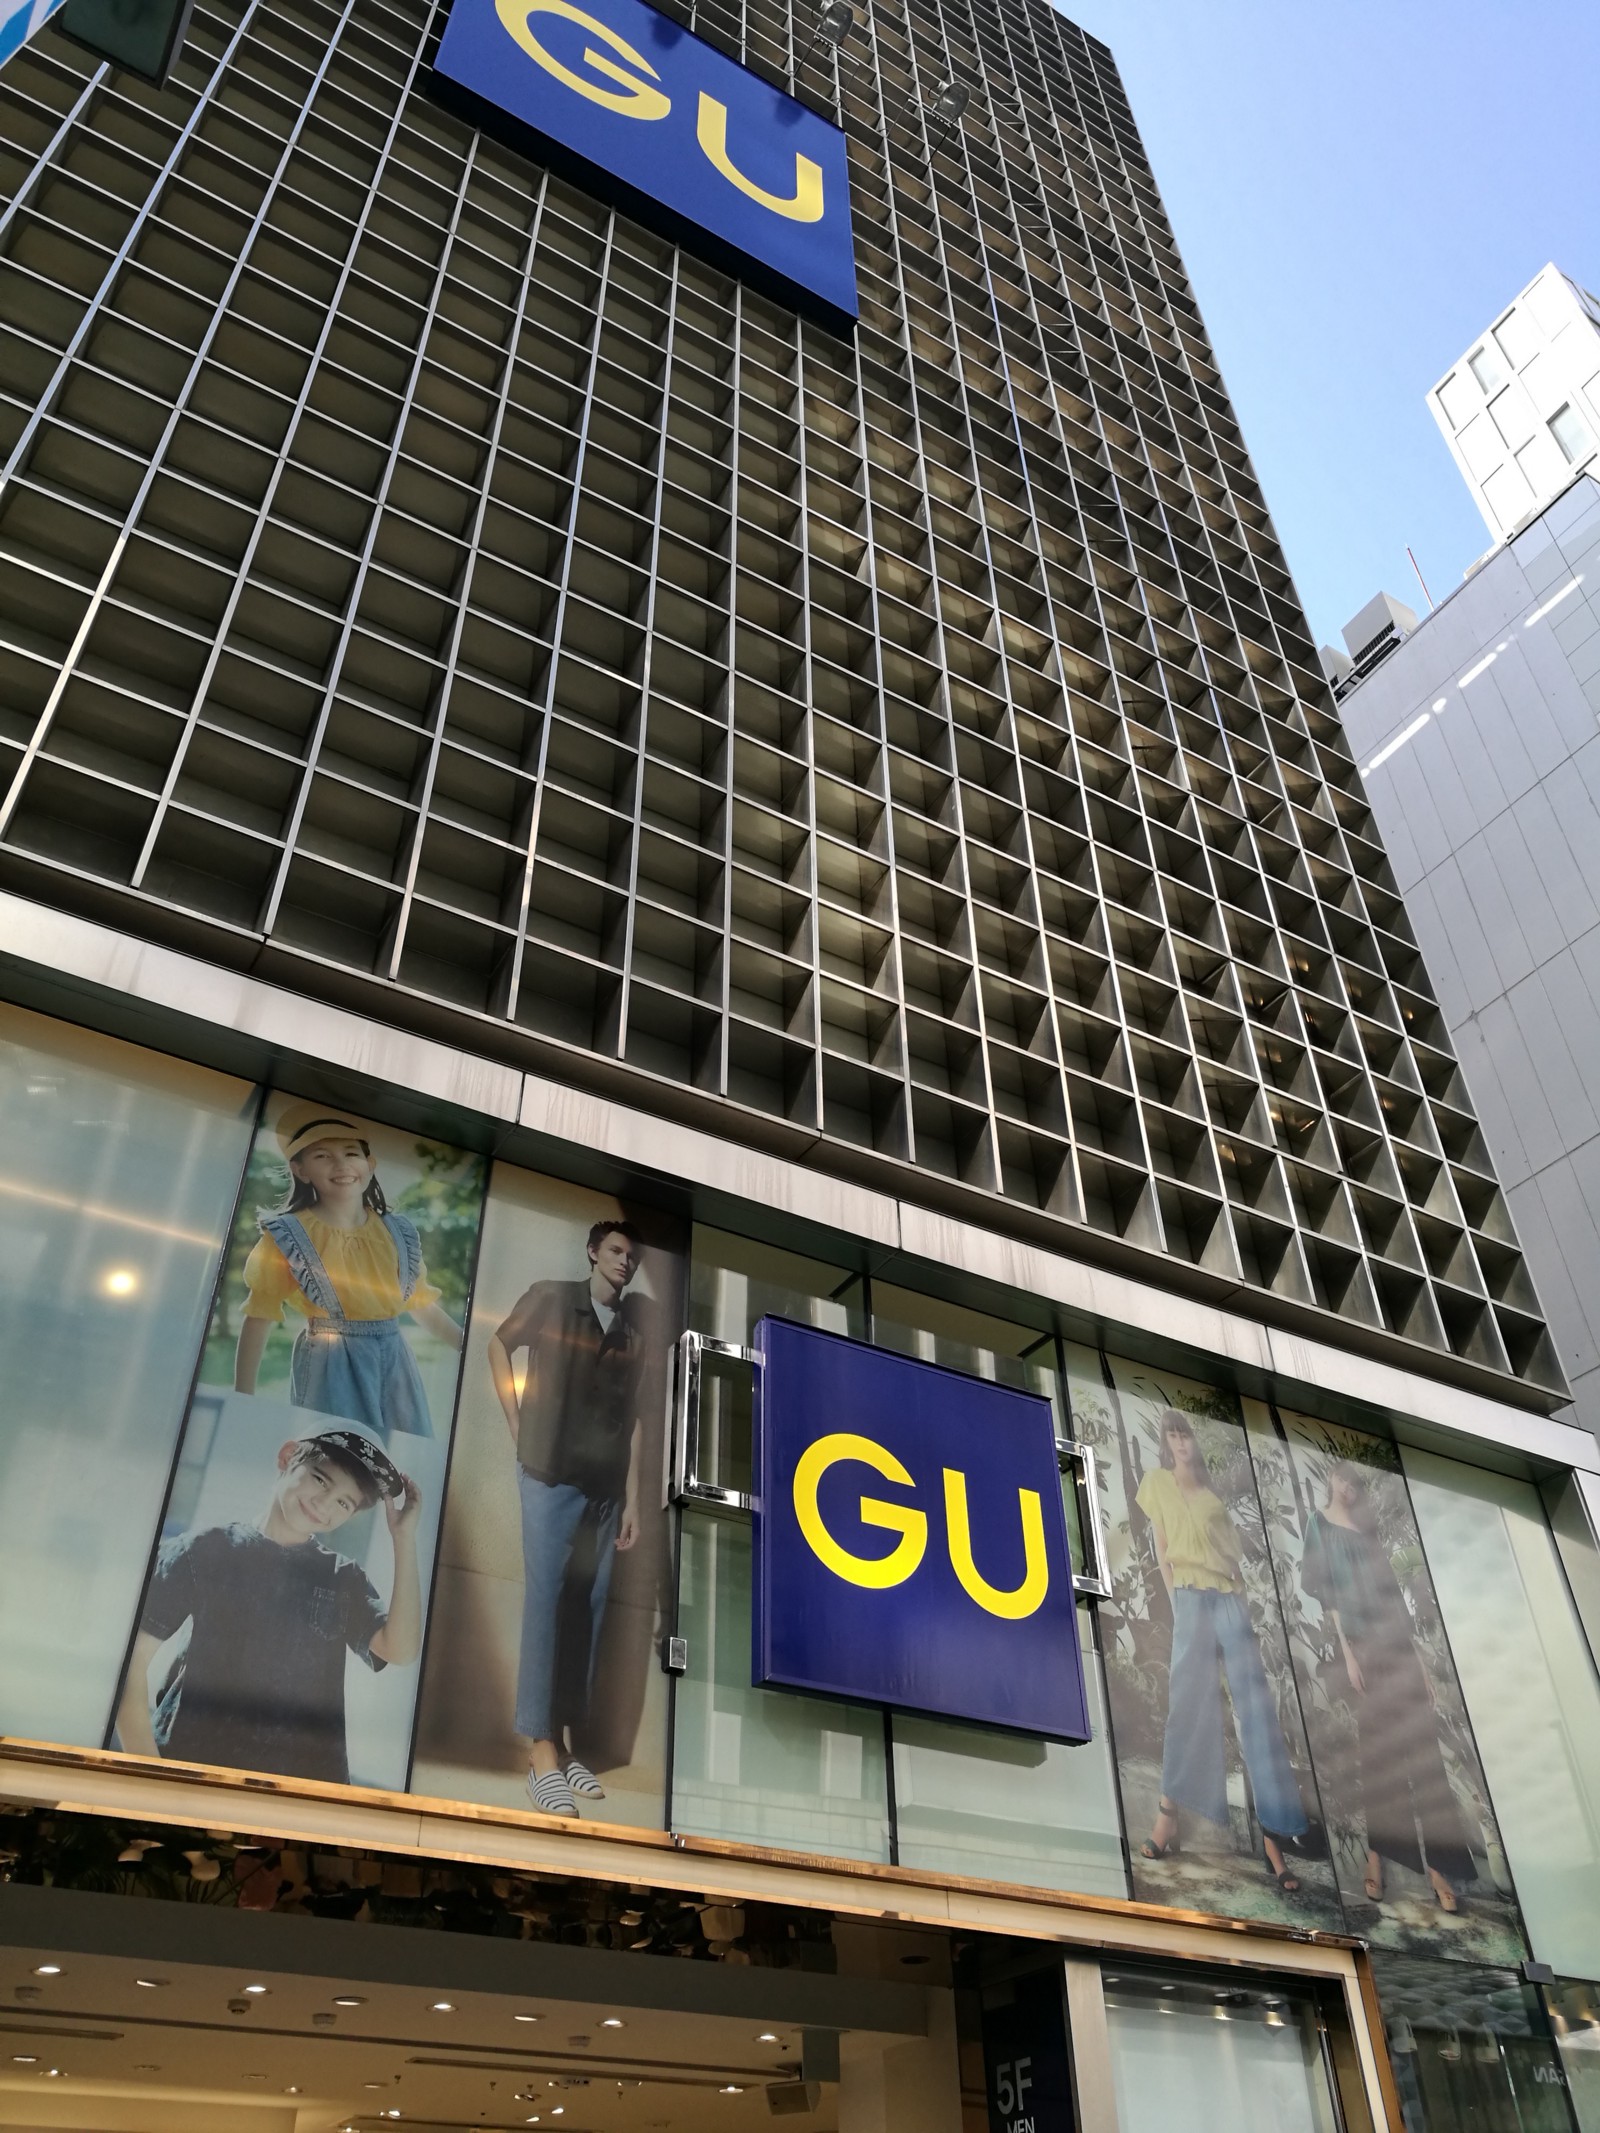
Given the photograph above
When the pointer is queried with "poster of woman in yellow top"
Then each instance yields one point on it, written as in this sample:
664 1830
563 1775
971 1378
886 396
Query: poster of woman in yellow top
347 1270
284 1613
1219 1793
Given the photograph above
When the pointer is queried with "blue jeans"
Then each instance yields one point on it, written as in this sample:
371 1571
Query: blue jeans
1212 1635
552 1512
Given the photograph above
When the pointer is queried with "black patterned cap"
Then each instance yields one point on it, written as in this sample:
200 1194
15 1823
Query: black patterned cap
363 1455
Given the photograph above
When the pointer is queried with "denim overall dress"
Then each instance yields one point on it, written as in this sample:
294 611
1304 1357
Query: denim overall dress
359 1368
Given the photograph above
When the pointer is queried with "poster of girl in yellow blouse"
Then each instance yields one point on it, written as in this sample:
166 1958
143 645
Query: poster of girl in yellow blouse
285 1609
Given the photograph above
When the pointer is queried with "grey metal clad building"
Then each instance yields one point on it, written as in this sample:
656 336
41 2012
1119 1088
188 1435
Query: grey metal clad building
434 594
1479 744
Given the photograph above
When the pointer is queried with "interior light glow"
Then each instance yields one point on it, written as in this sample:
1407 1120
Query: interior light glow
47 1969
444 2006
525 2018
119 1281
612 2022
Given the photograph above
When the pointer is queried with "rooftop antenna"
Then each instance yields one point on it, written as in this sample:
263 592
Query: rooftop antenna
1422 581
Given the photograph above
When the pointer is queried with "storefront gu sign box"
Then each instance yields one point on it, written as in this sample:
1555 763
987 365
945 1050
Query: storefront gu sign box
636 109
910 1538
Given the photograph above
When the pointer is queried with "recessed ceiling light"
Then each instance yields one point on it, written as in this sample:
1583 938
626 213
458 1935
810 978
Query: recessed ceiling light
374 2084
767 2036
256 1990
47 1969
348 1999
731 2089
291 2092
24 2058
525 2018
54 2073
444 2006
151 1984
612 2022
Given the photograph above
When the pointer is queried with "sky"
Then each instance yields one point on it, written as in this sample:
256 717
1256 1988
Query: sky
1358 189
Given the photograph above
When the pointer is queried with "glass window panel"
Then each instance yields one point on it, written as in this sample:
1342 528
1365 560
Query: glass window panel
993 1348
117 1187
1469 2048
1005 1808
1216 2058
737 1281
1575 2018
757 1764
1567 428
1486 367
1532 1695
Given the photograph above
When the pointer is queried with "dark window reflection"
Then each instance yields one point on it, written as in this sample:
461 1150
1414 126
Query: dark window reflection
1472 2050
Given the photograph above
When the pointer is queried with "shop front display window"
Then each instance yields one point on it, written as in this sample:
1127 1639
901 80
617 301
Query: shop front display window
1470 2048
1217 2055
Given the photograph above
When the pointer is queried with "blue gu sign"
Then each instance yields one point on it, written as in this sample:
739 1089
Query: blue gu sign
643 112
910 1538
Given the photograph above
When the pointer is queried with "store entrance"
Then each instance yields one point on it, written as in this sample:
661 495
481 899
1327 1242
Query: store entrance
1100 2044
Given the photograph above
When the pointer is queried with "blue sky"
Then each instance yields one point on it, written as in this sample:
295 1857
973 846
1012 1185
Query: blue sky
1357 189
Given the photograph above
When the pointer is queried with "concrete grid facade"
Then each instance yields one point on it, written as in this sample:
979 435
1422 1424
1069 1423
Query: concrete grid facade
432 592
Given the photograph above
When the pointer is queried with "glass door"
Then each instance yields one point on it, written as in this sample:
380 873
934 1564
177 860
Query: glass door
1198 2052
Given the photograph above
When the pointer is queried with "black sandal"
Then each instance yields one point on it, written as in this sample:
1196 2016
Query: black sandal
1286 1877
1150 1849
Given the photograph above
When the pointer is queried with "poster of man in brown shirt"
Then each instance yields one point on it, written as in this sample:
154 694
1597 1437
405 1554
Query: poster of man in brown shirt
577 1430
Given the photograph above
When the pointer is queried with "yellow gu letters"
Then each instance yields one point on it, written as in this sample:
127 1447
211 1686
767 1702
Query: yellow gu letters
633 93
902 1561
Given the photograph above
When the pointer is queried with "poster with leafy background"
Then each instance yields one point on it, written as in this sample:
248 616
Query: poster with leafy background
1295 1459
1215 1868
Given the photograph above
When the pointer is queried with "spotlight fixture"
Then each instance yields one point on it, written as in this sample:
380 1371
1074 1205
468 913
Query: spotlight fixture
834 24
151 1984
767 2036
950 103
348 1999
255 1991
526 2018
47 1969
612 2022
444 2006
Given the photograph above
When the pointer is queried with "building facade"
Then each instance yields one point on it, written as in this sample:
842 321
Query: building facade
1477 740
555 804
1521 410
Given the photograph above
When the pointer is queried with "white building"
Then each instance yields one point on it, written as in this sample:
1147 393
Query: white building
1520 411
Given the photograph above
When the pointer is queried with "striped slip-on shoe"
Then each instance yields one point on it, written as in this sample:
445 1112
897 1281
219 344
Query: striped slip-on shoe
551 1794
584 1782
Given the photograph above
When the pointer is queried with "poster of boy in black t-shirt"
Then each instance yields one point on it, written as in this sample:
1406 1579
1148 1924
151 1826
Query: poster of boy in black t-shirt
272 1611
